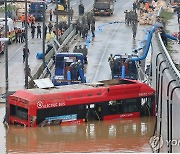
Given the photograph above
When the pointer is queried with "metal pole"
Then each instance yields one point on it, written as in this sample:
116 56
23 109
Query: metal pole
171 118
160 124
69 13
6 63
168 111
44 37
57 20
26 48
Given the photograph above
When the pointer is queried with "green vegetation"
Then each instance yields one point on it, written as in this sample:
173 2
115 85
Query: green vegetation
10 7
167 15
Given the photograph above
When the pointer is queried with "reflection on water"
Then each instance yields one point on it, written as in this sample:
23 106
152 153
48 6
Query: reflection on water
131 135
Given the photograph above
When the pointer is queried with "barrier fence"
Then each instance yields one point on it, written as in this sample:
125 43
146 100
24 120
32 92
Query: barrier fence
166 81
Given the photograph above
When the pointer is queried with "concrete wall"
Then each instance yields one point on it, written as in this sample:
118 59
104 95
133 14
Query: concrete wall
161 79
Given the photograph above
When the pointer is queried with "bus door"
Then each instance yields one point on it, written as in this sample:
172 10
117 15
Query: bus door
94 112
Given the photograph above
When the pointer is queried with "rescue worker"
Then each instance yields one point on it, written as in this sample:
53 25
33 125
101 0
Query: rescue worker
71 13
89 18
28 71
93 20
81 9
86 30
163 35
23 20
50 14
76 28
50 26
134 30
111 62
80 50
38 30
83 30
24 53
65 48
33 27
93 29
45 30
85 51
75 49
32 20
23 35
134 6
126 16
19 35
16 34
29 20
163 21
83 20
74 71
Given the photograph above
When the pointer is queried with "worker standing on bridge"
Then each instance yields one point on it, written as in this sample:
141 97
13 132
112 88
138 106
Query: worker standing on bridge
111 62
38 30
81 8
80 50
50 26
23 35
93 29
33 27
50 14
85 51
24 53
71 13
163 35
23 20
134 6
28 71
75 49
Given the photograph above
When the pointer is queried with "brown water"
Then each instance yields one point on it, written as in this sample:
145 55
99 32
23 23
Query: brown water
130 135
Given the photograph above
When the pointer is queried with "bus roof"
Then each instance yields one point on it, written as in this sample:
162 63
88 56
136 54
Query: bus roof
59 92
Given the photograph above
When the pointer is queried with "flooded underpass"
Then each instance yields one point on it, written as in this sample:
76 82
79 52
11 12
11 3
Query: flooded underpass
123 135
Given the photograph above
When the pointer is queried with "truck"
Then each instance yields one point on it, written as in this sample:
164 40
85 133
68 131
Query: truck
69 69
37 9
62 7
103 7
117 63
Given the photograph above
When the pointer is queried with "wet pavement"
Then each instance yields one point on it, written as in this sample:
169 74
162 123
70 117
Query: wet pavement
16 77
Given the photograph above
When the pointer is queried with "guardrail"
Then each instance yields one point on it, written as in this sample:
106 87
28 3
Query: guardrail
169 62
171 65
166 80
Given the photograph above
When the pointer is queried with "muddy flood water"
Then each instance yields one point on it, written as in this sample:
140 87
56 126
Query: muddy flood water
129 135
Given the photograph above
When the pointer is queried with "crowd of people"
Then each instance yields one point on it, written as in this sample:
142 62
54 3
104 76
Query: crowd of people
86 24
82 50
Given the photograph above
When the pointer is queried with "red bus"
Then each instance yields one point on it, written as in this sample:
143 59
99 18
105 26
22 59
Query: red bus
105 100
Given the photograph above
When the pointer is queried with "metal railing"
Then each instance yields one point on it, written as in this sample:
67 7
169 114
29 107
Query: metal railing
169 62
167 85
